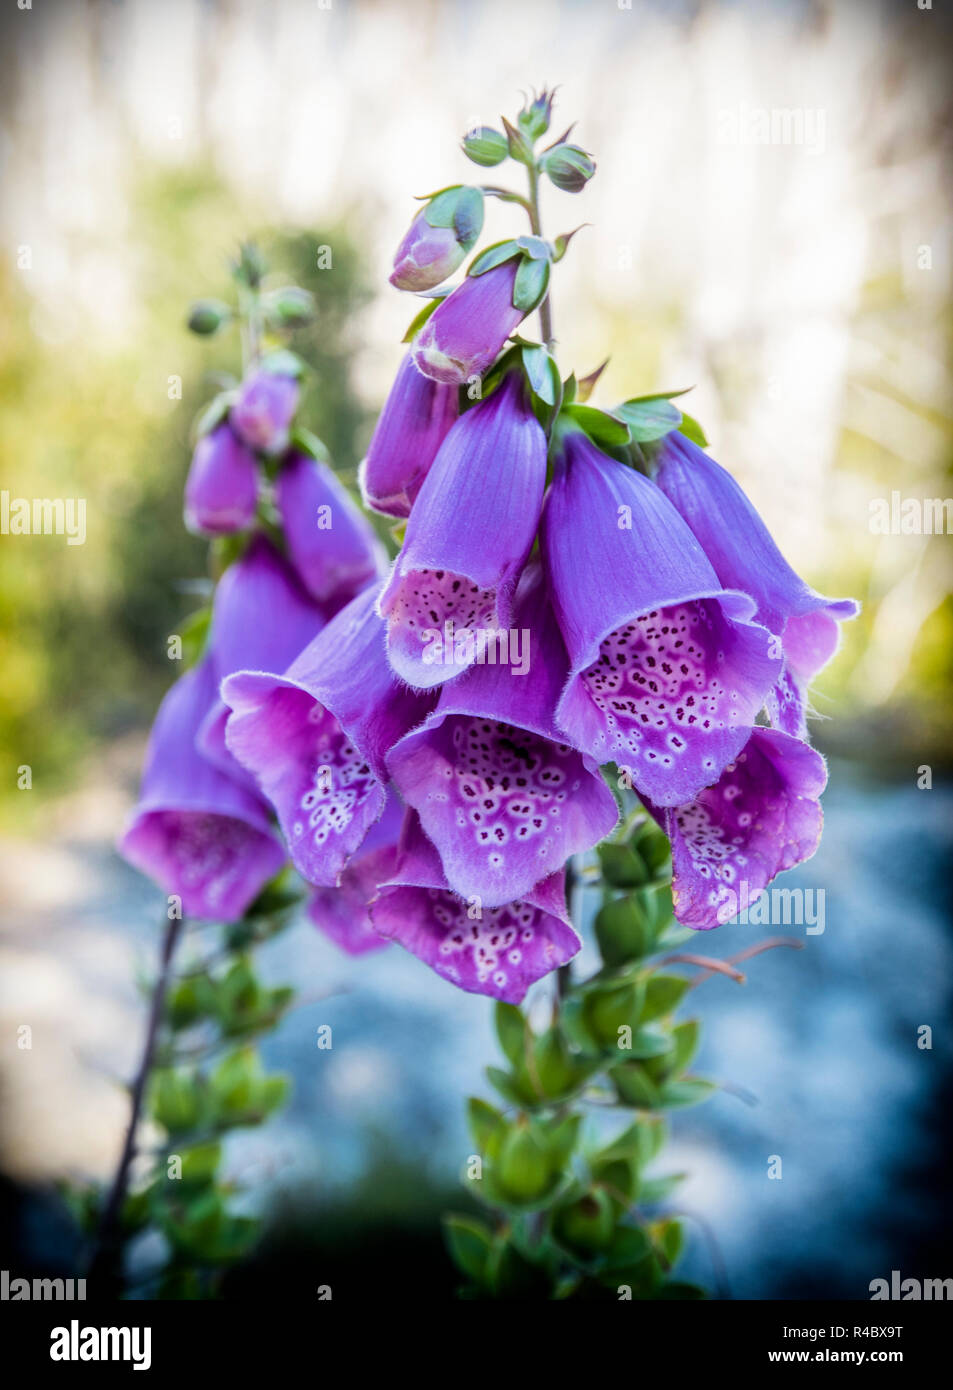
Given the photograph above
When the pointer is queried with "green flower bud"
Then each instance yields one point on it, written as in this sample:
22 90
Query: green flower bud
289 306
485 146
568 167
207 316
586 1225
524 1171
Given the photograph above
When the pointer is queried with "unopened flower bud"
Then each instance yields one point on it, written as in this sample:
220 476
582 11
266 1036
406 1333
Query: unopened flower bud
221 492
464 334
440 237
264 409
485 146
568 167
207 316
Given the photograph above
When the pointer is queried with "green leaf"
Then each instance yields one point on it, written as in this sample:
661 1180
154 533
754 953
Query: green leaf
535 247
609 1008
623 931
531 284
629 1246
419 319
693 431
649 419
487 1125
662 994
199 1164
492 256
177 1103
509 1087
542 373
634 1086
212 414
659 1189
307 443
511 1029
284 362
622 867
469 1242
601 427
669 1237
676 1289
687 1091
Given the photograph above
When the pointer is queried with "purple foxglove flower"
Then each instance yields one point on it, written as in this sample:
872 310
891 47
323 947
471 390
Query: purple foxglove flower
315 737
262 620
762 816
264 409
426 256
343 913
744 556
195 831
221 491
498 789
464 334
666 672
330 542
412 426
497 951
468 536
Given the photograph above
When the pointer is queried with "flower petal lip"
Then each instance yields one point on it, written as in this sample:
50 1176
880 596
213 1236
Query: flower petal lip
315 738
498 788
667 670
336 561
744 556
466 331
500 952
761 817
415 420
469 534
262 618
221 491
197 832
343 913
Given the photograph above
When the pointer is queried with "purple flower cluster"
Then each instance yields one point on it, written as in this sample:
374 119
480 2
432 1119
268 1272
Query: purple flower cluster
202 828
536 626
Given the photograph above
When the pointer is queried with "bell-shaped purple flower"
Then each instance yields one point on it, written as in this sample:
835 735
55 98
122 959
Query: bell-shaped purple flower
744 556
221 491
427 255
315 738
499 790
666 672
343 913
762 816
262 619
331 544
264 409
464 334
195 831
467 538
497 951
412 426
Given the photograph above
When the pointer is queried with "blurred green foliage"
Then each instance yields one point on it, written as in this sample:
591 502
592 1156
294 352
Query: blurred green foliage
83 629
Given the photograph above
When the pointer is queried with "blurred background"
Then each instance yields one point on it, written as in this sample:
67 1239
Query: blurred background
770 224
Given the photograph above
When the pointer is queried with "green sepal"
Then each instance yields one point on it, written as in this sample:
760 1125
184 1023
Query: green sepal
492 256
531 284
284 362
663 993
469 1242
542 373
417 322
605 430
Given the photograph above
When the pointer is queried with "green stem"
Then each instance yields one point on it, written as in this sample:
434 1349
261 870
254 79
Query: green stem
546 308
104 1265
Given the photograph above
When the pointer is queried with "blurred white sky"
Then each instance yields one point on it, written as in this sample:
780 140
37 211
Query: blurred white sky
712 259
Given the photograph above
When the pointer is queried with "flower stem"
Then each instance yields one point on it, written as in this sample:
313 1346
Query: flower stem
545 309
104 1265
